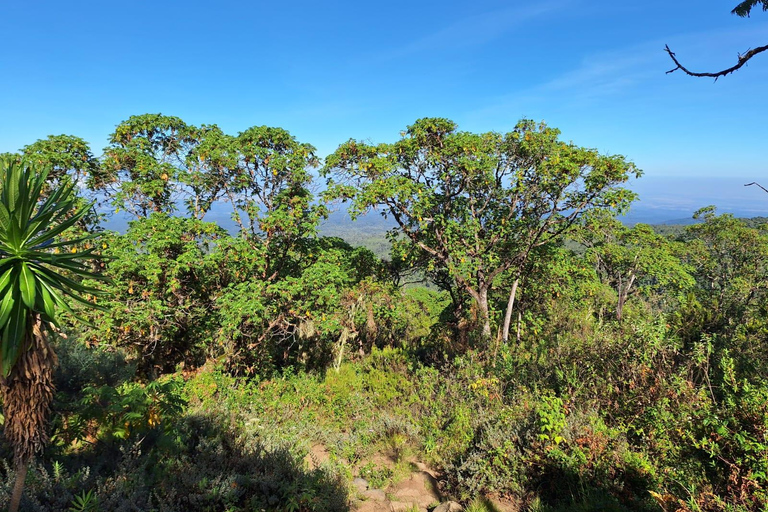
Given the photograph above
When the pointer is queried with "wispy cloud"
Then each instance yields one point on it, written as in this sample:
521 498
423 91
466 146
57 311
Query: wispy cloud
627 73
478 29
597 76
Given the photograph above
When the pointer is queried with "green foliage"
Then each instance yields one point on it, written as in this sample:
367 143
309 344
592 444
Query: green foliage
155 161
81 366
84 502
40 270
329 303
212 465
264 371
141 165
48 489
130 409
378 477
551 415
474 205
558 292
218 468
291 320
99 404
744 8
632 260
730 261
70 161
162 291
266 178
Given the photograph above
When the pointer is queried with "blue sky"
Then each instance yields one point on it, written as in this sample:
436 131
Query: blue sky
331 71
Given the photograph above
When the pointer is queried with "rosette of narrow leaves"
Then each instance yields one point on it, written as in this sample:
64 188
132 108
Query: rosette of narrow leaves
40 270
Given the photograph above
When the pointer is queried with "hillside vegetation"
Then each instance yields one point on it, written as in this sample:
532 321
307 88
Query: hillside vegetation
518 348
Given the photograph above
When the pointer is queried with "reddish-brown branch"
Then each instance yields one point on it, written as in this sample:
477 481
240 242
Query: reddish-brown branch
743 58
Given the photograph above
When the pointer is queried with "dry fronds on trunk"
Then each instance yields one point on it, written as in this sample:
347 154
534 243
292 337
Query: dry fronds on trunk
27 395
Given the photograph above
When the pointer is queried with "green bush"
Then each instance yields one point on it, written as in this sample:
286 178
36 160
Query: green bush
161 294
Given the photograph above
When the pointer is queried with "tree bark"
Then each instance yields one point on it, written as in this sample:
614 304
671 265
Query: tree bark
620 305
485 318
18 485
623 294
508 314
27 394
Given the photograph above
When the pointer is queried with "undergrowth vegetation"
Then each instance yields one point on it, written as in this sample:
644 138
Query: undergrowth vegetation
624 369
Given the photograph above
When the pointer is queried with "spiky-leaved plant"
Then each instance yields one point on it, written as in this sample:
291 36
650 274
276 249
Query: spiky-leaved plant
40 274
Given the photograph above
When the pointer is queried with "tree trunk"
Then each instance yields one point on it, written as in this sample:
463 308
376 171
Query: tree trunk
620 305
508 314
27 394
461 324
18 485
623 294
485 317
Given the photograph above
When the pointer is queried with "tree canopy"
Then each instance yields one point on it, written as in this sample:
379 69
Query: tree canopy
476 204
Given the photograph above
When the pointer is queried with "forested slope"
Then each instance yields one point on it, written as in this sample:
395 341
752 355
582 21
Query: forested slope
556 359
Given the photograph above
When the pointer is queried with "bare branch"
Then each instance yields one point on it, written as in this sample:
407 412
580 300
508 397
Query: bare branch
759 185
743 58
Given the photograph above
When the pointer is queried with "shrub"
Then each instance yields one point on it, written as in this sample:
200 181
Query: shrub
160 302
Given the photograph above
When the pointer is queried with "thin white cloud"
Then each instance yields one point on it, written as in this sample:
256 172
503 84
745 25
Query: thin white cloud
478 29
638 68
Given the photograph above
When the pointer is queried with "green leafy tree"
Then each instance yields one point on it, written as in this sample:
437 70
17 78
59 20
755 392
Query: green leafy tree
155 163
144 162
207 170
263 174
71 162
162 291
477 204
557 290
634 259
730 264
39 273
265 324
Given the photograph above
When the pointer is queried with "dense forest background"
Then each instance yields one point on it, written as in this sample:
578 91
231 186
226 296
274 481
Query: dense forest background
499 326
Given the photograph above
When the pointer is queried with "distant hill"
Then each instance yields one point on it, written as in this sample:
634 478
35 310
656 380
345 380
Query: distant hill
369 231
663 201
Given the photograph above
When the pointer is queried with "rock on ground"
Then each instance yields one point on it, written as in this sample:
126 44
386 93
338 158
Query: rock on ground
449 506
420 490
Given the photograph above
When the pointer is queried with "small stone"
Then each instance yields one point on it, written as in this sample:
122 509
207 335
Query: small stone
375 495
449 506
419 490
361 484
370 506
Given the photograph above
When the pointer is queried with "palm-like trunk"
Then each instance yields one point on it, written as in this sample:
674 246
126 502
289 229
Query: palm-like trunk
27 395
18 485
